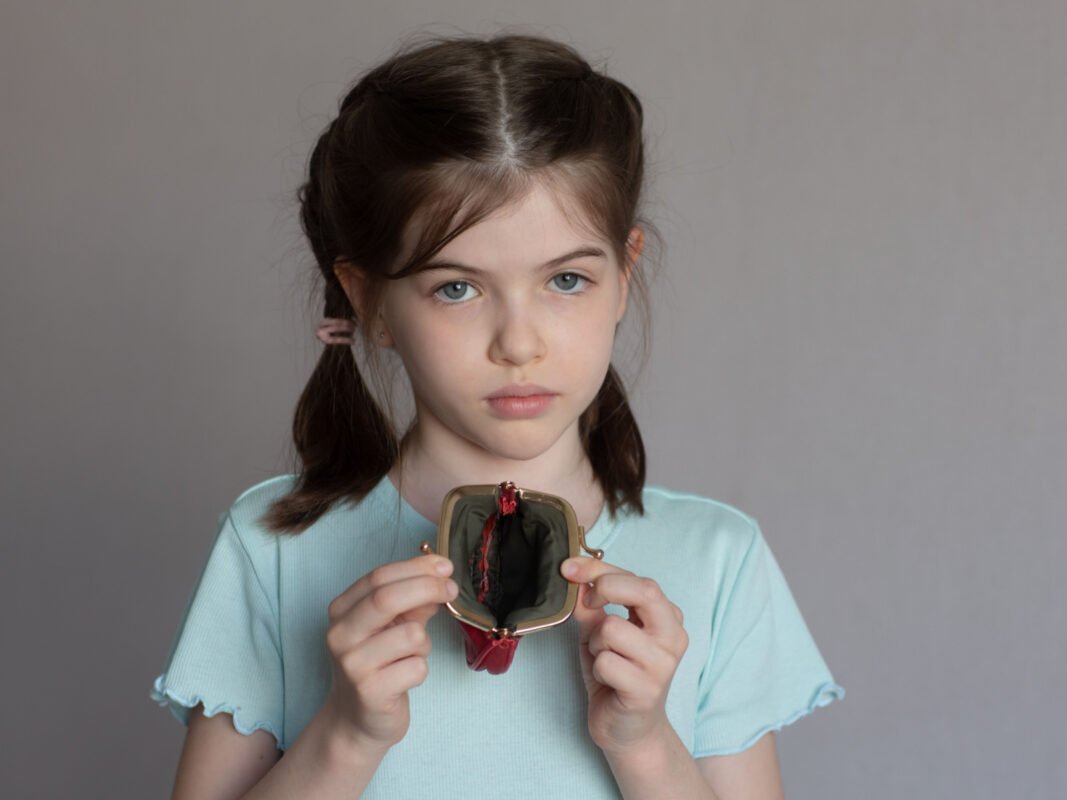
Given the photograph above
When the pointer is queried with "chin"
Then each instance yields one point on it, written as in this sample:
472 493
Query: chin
518 445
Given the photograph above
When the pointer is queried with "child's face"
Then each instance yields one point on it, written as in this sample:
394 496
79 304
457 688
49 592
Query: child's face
464 336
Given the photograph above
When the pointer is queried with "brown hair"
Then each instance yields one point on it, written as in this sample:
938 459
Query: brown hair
446 133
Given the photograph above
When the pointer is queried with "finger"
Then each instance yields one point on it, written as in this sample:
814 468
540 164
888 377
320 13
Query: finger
385 603
620 636
678 615
649 607
392 681
384 574
626 679
583 569
421 615
382 649
587 618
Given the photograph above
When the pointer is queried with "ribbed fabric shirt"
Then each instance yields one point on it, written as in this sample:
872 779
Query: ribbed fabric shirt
251 643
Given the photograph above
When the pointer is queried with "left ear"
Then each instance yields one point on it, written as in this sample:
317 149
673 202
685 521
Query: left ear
634 245
354 283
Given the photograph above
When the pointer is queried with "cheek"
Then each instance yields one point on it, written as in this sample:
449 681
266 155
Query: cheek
432 358
588 338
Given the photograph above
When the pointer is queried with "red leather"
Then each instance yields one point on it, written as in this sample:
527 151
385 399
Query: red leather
487 651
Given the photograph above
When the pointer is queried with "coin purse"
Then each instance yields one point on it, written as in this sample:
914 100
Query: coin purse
506 545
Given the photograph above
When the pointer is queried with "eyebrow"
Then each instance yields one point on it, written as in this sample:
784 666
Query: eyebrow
581 252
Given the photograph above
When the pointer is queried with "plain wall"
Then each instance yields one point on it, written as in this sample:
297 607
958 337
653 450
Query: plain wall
858 339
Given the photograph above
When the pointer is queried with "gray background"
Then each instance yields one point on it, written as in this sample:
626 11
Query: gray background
858 340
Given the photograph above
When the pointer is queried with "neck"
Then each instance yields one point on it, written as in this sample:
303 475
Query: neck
426 471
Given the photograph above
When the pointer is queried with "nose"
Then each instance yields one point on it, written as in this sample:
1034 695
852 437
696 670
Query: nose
517 336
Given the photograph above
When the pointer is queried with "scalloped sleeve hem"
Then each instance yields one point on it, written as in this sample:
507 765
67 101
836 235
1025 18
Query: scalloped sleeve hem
180 705
824 695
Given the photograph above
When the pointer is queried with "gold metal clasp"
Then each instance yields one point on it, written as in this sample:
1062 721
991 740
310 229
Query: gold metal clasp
595 552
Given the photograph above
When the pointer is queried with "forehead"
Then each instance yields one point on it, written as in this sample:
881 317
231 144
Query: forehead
538 226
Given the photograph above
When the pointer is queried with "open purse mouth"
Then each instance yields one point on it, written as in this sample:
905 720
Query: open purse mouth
506 545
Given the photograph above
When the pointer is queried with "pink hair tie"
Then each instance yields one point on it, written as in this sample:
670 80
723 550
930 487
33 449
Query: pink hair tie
336 331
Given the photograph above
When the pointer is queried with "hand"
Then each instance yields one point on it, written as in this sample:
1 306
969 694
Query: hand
627 664
378 644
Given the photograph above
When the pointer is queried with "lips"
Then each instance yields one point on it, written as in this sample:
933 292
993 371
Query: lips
521 401
520 390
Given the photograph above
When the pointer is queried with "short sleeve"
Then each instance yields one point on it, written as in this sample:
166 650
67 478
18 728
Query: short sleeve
764 670
226 653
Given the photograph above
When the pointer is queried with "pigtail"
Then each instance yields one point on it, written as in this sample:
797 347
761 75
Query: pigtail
345 442
613 443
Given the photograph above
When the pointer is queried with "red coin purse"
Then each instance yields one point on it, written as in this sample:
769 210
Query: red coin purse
506 545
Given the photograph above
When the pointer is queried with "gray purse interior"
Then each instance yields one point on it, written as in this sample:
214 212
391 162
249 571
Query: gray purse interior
525 555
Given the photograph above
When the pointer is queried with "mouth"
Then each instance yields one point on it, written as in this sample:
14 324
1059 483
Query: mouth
521 401
520 390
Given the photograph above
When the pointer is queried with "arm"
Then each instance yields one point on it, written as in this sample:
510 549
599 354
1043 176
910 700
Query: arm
662 770
321 764
378 645
218 761
669 771
751 773
627 667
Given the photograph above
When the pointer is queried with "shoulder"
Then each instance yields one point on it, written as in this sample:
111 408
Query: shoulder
254 501
694 546
696 515
245 513
683 534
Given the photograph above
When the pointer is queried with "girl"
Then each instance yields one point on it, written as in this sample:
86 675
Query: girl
473 207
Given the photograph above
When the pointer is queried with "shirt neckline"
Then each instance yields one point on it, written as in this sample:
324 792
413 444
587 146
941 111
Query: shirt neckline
598 535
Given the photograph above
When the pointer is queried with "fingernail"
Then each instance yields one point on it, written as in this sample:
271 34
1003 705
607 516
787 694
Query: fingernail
451 589
569 568
443 567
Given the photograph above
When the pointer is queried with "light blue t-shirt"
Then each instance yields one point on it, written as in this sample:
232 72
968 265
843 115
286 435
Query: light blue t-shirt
252 643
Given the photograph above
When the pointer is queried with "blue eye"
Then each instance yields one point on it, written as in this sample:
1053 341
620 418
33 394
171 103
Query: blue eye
567 281
453 292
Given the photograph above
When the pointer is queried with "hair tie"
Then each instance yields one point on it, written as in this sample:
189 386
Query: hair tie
332 330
